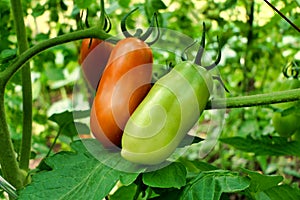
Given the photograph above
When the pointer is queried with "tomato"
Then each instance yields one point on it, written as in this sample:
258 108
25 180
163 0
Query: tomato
125 82
93 59
296 135
287 125
168 112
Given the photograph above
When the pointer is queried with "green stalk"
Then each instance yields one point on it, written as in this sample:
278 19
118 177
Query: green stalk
26 85
8 162
255 100
94 32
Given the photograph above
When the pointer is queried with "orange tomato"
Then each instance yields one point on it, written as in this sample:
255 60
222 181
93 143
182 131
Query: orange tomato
93 59
125 82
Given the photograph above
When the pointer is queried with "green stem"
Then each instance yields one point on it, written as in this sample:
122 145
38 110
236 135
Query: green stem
8 162
26 85
94 32
102 14
255 100
54 142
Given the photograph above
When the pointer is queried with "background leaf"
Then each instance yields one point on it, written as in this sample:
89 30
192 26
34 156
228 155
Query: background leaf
265 145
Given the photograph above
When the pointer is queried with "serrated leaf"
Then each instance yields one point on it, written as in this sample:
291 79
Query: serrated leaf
276 146
129 178
81 128
62 118
112 158
278 193
69 130
260 182
173 175
66 123
196 166
124 193
210 185
74 175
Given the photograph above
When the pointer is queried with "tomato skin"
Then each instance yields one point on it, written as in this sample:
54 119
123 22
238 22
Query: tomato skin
168 112
93 59
125 82
287 125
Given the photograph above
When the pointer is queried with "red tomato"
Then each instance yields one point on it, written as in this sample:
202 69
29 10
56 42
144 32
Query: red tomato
125 82
93 59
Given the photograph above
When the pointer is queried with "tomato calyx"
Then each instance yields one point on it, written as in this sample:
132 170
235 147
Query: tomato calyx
139 32
291 70
199 55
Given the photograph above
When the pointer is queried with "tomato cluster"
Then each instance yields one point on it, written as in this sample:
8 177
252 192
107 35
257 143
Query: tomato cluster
147 122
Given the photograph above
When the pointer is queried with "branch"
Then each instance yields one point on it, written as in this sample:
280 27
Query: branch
26 86
283 16
255 100
94 32
8 162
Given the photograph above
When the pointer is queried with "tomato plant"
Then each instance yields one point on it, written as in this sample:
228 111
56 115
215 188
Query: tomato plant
248 161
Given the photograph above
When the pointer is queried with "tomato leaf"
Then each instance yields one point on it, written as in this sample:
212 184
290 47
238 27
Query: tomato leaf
128 178
196 166
260 182
124 193
276 146
173 175
74 175
210 185
278 193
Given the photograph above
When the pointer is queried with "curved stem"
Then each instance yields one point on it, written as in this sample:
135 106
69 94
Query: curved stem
94 32
102 14
150 29
201 48
8 162
26 86
123 24
217 61
255 100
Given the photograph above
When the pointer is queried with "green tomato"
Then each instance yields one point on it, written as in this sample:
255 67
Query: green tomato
167 113
296 135
285 125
